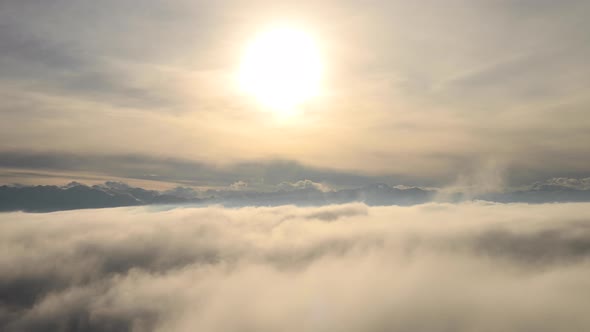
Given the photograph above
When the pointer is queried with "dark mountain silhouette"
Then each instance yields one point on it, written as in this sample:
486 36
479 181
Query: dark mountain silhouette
78 196
541 194
114 194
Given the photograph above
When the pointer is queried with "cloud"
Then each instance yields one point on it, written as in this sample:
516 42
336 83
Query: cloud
570 183
62 68
432 267
303 184
487 177
238 185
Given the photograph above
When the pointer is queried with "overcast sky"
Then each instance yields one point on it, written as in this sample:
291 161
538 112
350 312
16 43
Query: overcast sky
414 92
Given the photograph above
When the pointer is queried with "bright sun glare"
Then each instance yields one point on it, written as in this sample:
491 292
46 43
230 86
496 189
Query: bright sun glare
282 69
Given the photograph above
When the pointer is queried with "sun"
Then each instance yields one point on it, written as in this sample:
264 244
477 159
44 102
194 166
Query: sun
282 69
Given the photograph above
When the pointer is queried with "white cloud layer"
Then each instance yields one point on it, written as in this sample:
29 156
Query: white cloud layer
303 184
433 267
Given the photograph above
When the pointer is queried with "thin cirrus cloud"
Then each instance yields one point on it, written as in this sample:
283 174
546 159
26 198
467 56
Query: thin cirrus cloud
464 267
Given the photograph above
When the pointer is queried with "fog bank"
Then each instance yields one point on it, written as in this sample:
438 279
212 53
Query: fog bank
431 267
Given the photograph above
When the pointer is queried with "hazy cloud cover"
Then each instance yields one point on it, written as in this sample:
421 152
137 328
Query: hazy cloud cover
427 90
432 267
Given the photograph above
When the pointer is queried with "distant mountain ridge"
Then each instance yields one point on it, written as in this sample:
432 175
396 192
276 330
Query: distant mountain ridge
78 196
75 195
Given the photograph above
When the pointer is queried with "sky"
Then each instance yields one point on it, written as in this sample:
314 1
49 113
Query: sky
415 93
378 165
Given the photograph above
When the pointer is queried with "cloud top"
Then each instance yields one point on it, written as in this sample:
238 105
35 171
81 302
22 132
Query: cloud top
441 267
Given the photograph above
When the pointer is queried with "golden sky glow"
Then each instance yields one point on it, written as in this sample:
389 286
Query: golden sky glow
391 88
